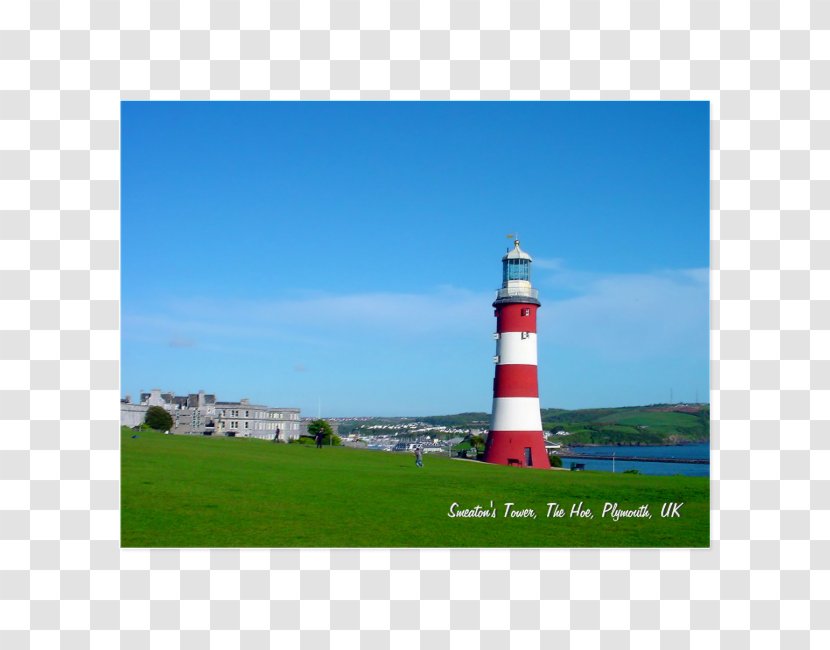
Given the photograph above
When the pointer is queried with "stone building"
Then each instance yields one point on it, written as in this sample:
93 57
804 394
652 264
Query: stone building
256 421
201 414
132 415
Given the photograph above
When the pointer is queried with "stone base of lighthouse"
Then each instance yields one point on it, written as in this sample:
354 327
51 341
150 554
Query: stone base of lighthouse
523 448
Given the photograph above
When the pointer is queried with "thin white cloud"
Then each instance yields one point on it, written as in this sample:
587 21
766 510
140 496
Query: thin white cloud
548 264
312 319
632 315
619 315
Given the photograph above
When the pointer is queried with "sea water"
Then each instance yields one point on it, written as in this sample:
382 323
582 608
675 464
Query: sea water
663 451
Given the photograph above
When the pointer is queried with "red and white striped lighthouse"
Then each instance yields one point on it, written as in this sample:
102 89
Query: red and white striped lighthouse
516 436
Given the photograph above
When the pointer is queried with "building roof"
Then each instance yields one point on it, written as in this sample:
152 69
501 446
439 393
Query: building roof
517 254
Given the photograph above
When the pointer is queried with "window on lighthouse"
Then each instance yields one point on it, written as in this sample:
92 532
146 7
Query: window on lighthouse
516 270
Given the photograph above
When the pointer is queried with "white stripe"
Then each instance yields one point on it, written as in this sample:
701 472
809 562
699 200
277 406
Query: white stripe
512 348
516 414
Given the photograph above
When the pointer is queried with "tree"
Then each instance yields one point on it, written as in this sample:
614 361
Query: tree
321 426
159 419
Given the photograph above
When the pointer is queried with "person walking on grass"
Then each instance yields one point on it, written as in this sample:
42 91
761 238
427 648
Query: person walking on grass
277 435
419 457
319 439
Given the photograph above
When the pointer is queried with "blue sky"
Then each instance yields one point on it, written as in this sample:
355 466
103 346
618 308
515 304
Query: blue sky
345 256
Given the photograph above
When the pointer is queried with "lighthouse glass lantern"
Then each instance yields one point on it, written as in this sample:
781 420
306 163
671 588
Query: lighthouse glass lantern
516 269
516 436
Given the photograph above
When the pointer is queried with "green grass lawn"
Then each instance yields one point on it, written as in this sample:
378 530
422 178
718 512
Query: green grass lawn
181 491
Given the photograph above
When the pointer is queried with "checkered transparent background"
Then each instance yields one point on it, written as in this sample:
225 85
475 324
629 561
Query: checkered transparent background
65 66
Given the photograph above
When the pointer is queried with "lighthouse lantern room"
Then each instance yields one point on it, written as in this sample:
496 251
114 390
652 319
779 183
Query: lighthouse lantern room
516 436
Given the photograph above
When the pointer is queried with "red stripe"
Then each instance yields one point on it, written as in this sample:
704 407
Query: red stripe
508 448
511 319
516 380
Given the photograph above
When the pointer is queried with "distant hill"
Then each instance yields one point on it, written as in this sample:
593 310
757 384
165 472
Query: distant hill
645 425
652 424
471 420
649 425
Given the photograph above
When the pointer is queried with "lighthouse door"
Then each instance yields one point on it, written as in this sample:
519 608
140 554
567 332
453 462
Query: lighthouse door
528 458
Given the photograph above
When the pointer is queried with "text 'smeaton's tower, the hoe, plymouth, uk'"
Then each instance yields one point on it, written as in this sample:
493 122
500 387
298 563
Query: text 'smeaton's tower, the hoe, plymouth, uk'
516 436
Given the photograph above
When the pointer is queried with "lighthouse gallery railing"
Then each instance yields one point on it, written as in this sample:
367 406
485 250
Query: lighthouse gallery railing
512 292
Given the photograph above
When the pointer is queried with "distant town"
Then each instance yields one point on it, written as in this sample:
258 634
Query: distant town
462 434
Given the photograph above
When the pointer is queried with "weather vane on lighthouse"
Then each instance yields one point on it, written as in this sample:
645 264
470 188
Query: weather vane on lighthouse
516 436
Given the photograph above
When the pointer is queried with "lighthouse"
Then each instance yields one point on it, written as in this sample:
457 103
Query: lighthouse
516 436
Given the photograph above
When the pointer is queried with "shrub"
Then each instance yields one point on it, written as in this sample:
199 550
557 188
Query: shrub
478 443
321 426
555 461
159 419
